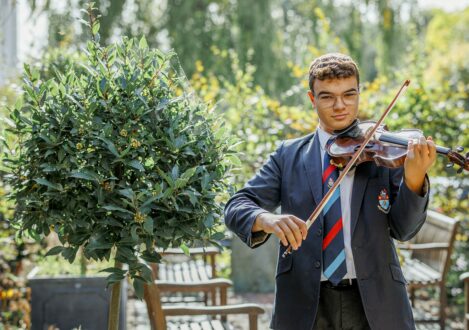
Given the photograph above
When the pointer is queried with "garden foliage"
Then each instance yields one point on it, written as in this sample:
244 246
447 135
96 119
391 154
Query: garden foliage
113 154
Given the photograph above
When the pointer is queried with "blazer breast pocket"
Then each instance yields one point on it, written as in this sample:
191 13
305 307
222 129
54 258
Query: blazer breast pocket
377 193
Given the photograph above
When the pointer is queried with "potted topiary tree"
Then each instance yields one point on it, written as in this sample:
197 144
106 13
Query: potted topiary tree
116 157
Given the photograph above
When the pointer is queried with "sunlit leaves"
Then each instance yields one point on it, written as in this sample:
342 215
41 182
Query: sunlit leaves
114 157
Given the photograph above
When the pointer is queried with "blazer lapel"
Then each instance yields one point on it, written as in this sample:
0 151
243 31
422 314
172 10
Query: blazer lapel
312 165
362 173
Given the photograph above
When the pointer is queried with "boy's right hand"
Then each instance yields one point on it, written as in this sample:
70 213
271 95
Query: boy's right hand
288 228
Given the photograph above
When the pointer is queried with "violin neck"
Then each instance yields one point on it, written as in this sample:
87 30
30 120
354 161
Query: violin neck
389 138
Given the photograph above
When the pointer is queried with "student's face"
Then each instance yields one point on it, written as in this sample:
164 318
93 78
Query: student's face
336 101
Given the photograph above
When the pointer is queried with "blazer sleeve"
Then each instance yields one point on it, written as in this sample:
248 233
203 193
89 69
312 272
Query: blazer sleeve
260 194
409 210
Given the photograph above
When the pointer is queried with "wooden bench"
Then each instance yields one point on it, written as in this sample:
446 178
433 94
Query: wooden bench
195 317
430 259
465 278
177 267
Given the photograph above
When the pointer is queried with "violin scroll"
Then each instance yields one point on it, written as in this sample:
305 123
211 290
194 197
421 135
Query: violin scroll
456 158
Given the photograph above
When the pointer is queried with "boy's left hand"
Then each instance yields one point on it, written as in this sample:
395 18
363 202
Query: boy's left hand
421 155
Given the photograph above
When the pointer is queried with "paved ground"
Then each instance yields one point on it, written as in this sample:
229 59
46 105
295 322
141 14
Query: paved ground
137 318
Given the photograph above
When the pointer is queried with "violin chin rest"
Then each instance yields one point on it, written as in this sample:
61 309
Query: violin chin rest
352 131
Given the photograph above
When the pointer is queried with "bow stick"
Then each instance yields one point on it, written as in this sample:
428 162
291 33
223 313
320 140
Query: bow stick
350 164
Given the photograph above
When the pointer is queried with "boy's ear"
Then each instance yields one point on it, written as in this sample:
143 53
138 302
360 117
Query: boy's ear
311 97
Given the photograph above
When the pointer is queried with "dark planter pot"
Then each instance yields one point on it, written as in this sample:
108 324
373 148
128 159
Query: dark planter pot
70 302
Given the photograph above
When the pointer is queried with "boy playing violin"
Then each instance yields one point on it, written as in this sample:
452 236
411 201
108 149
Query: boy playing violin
346 275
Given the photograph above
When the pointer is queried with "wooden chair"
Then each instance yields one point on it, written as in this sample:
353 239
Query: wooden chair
199 267
200 317
430 258
465 278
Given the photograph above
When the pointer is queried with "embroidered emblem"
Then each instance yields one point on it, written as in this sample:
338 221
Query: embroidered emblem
330 183
383 201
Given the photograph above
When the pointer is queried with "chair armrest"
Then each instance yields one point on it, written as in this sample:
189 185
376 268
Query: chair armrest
251 309
464 277
423 246
199 286
210 250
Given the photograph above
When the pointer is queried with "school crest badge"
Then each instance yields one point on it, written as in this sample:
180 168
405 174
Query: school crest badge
330 183
383 201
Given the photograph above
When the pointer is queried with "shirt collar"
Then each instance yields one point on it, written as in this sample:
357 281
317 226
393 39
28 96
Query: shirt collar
323 138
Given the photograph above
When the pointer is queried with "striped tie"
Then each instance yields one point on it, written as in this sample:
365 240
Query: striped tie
333 252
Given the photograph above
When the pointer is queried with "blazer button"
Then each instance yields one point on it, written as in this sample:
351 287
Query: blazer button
317 264
319 232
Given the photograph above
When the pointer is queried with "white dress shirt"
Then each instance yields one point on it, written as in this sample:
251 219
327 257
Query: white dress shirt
345 200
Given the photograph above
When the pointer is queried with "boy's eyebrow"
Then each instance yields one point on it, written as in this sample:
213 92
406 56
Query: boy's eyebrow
329 93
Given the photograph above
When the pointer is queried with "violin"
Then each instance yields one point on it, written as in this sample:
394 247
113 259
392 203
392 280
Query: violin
388 149
369 141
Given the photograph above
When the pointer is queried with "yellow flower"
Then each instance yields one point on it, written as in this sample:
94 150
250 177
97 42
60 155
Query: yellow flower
123 133
79 146
9 293
135 143
319 13
298 72
199 66
139 217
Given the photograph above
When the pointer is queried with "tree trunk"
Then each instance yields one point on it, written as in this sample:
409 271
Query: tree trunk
153 300
113 318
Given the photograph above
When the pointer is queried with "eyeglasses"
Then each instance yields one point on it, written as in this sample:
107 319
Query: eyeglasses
327 100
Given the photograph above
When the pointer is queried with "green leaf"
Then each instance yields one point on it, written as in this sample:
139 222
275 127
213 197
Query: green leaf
218 236
111 207
133 233
85 175
180 182
113 270
209 220
220 133
55 250
148 225
96 26
185 249
138 287
175 172
128 193
205 181
114 278
151 256
166 177
110 146
234 159
49 184
137 165
143 43
149 201
189 173
70 253
125 253
192 198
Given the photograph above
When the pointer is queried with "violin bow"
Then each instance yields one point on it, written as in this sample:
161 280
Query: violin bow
312 218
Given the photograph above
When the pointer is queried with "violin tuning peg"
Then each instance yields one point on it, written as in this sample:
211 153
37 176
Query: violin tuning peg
459 171
449 165
459 149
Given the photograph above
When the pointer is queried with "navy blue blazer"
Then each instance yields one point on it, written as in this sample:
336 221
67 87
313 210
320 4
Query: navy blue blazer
291 178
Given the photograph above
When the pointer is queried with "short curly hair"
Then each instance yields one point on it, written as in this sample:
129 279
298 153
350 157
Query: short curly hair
332 66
